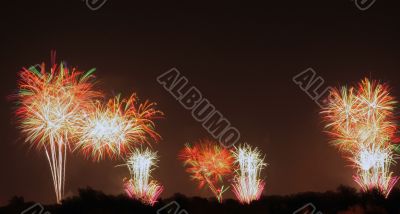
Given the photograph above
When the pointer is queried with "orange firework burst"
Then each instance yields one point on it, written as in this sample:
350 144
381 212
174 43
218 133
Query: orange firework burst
362 123
116 128
49 103
208 163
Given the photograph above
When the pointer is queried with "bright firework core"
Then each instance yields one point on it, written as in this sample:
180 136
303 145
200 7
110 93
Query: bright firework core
374 158
106 131
106 128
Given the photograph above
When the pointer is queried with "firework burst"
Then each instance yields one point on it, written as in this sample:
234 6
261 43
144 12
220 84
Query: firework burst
49 105
208 163
114 129
361 121
247 184
140 186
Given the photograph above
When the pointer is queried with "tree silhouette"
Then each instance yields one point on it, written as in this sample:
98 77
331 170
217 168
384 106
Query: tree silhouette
343 200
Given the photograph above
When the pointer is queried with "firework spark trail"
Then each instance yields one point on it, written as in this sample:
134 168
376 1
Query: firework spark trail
247 184
49 103
140 186
57 158
361 122
208 163
114 129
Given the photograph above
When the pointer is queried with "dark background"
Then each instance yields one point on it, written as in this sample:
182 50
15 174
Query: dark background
241 56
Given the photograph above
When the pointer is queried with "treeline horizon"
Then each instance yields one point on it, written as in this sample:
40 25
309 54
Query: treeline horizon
343 200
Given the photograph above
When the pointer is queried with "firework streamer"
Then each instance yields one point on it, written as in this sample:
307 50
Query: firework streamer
361 122
208 163
48 107
141 164
247 184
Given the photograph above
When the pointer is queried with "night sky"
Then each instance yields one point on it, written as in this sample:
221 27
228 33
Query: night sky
241 56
